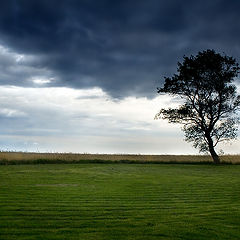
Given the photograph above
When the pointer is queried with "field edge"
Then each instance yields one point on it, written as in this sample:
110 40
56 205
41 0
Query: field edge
15 158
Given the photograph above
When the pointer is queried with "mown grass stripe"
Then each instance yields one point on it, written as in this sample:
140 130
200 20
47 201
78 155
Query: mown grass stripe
95 201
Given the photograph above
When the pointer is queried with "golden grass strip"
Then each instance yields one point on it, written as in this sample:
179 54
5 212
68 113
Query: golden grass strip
33 157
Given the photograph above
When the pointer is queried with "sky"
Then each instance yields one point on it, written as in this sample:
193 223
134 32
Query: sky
82 75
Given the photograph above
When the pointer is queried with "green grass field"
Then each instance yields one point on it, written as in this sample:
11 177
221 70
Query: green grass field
119 201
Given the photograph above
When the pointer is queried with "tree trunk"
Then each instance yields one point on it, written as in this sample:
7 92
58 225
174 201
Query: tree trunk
214 155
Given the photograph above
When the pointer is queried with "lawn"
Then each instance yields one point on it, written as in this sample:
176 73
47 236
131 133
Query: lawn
119 201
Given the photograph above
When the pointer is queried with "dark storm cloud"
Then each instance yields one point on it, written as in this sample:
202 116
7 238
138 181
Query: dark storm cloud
124 47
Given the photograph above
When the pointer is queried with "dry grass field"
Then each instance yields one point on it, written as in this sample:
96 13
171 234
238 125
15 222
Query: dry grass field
28 157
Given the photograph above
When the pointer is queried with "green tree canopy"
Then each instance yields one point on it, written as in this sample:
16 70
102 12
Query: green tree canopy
209 111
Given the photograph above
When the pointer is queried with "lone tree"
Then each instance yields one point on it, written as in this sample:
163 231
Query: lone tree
208 114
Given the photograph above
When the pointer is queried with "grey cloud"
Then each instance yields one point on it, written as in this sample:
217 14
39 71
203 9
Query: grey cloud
19 70
124 47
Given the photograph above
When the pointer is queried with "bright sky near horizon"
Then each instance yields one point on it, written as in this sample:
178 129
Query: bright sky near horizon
82 76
